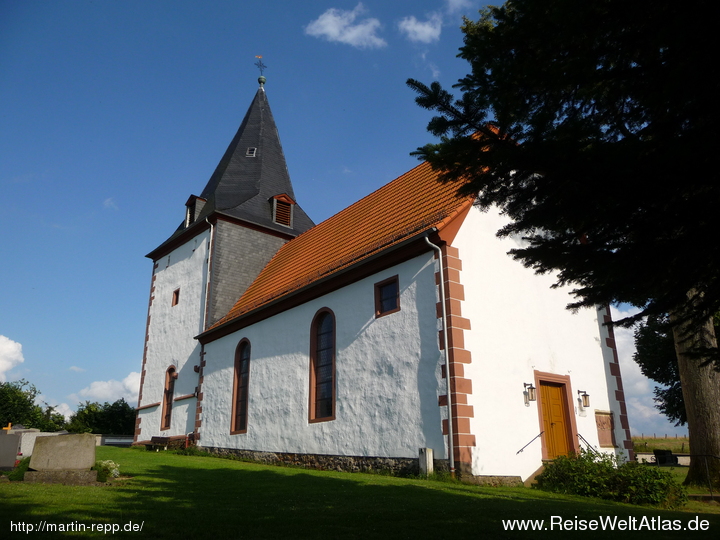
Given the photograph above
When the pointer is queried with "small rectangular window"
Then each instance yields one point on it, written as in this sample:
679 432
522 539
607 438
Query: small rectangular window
251 152
387 297
176 297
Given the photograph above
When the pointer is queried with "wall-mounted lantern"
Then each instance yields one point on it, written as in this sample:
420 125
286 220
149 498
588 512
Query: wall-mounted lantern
529 393
585 397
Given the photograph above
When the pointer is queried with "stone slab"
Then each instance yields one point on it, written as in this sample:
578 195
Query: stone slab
27 440
64 452
9 448
69 478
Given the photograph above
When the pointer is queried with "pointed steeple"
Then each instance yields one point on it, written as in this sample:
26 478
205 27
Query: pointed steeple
251 183
253 172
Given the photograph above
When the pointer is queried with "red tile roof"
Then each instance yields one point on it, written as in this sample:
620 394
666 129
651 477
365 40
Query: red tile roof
409 205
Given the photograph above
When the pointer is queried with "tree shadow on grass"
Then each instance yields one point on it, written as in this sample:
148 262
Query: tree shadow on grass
215 499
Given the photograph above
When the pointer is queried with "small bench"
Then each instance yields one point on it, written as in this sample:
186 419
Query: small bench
157 443
665 457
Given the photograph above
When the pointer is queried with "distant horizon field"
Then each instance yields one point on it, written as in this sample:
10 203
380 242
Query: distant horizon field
678 445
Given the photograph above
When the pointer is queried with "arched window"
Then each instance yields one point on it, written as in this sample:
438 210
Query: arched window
170 376
240 388
322 367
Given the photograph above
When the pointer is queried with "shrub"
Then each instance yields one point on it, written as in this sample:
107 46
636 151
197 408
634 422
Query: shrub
193 451
106 468
645 484
18 473
605 477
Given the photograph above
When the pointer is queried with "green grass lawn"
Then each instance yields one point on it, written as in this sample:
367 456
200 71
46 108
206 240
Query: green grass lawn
177 496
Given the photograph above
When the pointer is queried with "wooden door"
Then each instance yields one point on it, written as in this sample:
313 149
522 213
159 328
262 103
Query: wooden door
556 419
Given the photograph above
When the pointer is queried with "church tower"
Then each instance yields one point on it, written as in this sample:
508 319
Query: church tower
229 232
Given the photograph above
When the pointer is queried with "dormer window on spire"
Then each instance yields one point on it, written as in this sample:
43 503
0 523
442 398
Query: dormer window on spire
193 206
283 210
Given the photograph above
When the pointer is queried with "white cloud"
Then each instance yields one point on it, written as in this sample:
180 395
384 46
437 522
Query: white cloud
453 6
76 369
432 66
10 356
65 410
421 32
111 390
337 25
110 203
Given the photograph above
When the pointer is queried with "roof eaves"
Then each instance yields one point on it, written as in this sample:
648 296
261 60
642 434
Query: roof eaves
178 237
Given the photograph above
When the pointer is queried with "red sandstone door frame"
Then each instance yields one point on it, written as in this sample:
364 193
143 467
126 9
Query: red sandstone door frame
564 382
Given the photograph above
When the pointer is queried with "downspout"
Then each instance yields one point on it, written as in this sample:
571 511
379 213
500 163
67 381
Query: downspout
446 356
198 388
207 281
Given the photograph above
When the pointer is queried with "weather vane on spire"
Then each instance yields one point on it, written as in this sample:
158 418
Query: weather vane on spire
260 64
261 67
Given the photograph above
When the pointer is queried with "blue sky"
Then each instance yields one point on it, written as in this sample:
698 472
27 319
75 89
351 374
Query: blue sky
113 113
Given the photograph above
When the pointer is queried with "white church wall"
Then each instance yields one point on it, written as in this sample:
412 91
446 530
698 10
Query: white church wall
387 375
519 326
171 335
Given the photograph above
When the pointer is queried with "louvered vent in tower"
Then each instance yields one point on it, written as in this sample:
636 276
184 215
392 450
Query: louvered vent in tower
283 210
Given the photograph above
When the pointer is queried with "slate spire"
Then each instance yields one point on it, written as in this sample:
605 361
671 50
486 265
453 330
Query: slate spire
252 172
251 183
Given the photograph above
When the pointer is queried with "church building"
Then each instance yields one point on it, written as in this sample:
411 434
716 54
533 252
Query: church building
398 325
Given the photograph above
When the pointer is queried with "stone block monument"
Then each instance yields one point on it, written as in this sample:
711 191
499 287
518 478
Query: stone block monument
65 459
9 449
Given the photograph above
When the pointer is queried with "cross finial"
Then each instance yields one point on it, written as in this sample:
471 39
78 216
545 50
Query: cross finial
261 67
260 64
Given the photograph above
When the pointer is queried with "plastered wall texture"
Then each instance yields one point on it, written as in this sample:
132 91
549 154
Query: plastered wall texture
519 326
171 333
387 384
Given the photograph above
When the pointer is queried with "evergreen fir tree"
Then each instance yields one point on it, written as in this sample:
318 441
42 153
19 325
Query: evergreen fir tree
592 125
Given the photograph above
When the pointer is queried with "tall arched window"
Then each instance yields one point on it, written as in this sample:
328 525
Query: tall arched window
170 376
240 388
322 367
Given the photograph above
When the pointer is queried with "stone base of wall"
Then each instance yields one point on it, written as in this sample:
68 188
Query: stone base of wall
464 474
67 477
325 462
383 465
493 481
